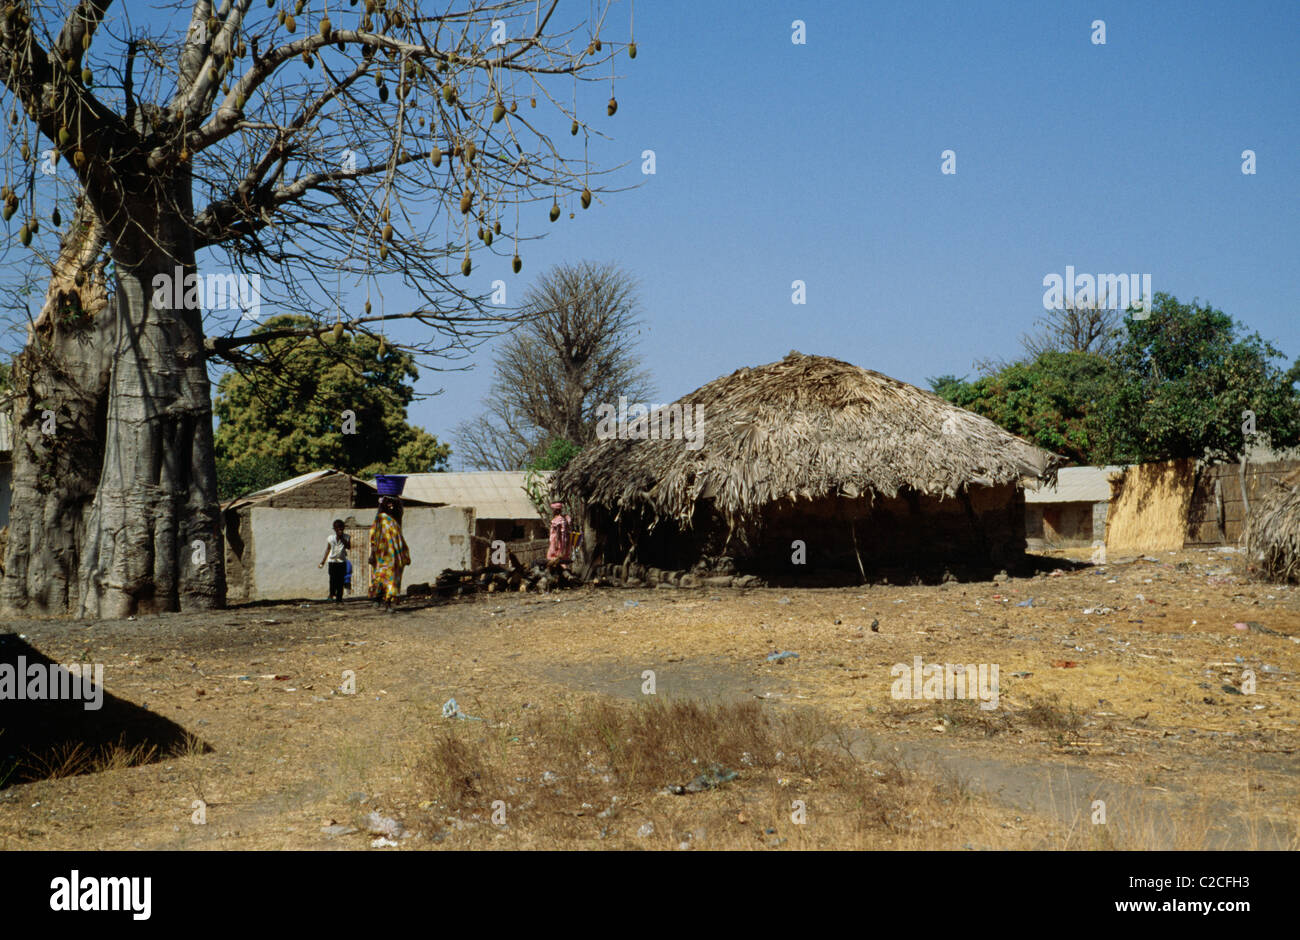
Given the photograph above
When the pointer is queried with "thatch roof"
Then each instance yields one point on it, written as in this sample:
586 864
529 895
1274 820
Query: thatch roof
1273 531
804 427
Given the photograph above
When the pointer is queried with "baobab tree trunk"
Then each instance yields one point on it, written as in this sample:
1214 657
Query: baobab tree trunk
115 512
60 383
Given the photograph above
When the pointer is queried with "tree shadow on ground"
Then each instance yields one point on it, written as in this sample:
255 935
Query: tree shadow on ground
56 735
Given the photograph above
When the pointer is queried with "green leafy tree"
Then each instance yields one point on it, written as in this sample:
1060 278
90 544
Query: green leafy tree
1184 378
557 454
1049 400
942 384
335 402
248 473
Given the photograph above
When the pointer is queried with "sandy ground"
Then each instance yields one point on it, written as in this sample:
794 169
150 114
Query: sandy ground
1127 684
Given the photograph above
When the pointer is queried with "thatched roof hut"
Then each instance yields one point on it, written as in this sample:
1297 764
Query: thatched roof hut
802 449
1273 531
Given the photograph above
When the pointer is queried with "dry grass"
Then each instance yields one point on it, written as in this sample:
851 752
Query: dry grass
1158 729
1273 532
1047 713
75 758
1195 826
603 774
71 759
962 715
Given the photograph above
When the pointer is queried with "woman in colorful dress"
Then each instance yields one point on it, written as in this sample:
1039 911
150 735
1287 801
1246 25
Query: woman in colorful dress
389 553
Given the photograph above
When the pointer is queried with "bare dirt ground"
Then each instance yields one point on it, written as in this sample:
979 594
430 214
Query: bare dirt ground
1127 685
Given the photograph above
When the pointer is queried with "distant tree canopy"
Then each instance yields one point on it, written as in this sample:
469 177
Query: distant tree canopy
1184 378
1175 384
320 410
941 384
1048 400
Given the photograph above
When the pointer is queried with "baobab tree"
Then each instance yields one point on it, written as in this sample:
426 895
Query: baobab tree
290 150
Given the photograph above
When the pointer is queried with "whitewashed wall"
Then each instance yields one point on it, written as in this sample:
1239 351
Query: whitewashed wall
289 543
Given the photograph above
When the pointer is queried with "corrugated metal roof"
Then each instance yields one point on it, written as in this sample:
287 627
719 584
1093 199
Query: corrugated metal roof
1074 485
286 485
493 494
289 484
281 487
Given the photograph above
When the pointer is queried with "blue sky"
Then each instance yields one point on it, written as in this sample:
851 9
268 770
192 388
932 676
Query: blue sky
821 162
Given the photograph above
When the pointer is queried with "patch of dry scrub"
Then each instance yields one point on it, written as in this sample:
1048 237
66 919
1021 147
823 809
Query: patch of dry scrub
611 775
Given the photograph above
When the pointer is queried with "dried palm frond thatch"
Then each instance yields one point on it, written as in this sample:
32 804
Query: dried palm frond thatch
1273 531
803 428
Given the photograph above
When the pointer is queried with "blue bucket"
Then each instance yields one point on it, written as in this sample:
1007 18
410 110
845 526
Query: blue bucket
389 485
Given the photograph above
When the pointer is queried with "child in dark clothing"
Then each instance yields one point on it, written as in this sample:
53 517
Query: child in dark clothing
336 553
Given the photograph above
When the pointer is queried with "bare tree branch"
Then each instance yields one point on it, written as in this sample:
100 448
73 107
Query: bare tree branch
576 352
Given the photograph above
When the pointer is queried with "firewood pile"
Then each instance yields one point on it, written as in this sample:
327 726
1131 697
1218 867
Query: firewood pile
496 579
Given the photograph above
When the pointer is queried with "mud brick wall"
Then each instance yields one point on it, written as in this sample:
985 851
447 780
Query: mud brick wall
909 530
334 491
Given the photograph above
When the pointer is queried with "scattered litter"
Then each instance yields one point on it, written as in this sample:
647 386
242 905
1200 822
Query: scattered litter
714 776
784 600
875 626
250 678
451 710
647 829
383 843
631 603
606 813
1021 675
782 656
1027 602
1254 626
338 829
378 825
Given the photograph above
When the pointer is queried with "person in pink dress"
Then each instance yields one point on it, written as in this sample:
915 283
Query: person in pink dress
557 552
